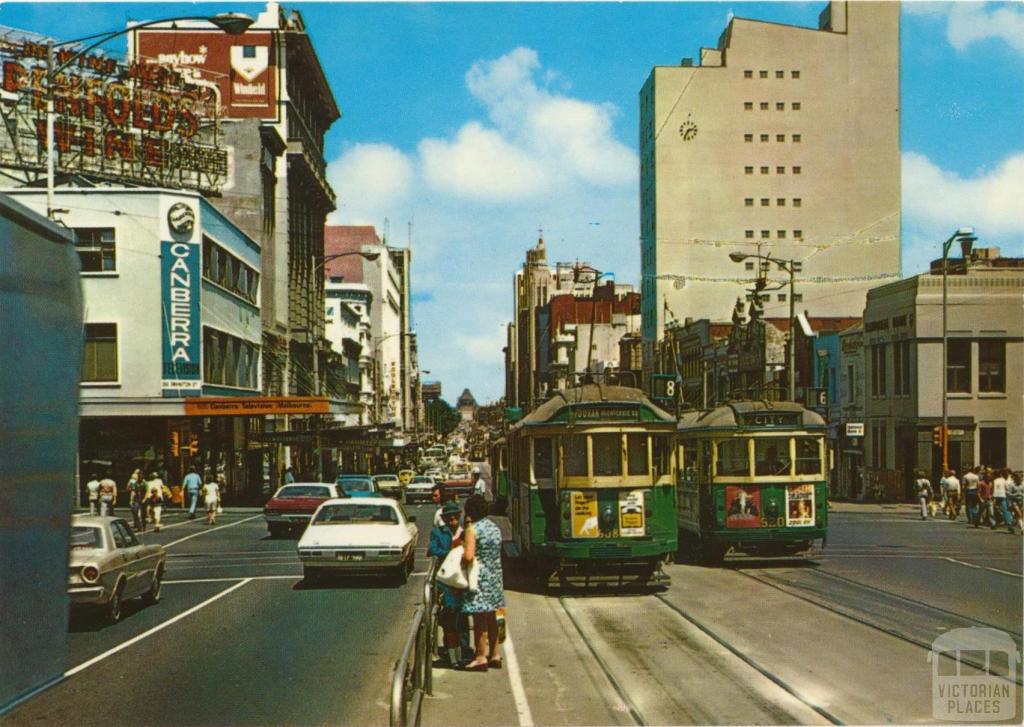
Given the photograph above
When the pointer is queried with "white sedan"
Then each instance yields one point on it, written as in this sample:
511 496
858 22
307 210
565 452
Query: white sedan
357 535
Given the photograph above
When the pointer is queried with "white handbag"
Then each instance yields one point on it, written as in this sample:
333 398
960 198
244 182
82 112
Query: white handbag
451 573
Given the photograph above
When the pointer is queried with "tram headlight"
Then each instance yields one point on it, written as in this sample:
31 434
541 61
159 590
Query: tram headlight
606 519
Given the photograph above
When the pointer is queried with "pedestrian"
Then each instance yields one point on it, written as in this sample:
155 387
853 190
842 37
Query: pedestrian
136 491
288 475
192 483
92 488
971 480
924 492
437 496
479 484
442 539
211 498
951 489
155 495
999 493
984 502
108 495
1015 498
483 544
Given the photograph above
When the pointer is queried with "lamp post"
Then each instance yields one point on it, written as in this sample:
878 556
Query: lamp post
593 315
376 364
965 236
789 267
230 23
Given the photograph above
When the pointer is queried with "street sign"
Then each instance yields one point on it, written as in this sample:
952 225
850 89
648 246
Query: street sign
855 429
663 387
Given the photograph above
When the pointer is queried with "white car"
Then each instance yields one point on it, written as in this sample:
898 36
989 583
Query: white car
389 485
419 488
357 535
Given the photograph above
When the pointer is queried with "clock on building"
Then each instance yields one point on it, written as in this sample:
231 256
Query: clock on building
688 129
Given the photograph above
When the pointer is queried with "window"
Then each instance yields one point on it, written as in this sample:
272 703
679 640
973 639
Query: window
764 137
780 74
764 105
798 297
96 249
780 170
748 202
780 201
763 74
661 454
733 458
798 201
797 170
748 138
780 138
227 271
878 445
748 74
99 358
992 367
795 105
781 234
796 138
878 369
850 382
764 170
765 234
901 368
574 455
749 265
808 456
229 361
749 233
542 462
958 366
748 170
780 106
795 74
797 266
607 455
782 297
771 457
748 105
764 201
798 234
636 454
992 444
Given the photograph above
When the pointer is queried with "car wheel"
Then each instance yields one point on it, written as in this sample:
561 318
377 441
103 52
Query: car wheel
312 575
275 531
152 596
401 573
114 605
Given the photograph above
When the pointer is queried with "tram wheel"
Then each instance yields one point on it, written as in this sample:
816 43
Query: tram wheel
711 554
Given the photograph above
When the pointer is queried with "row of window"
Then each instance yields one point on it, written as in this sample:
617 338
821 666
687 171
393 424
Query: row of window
778 170
764 74
959 374
770 458
227 271
765 105
779 234
593 455
97 249
780 138
779 201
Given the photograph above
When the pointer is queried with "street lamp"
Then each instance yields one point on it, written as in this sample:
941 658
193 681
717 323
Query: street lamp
966 237
230 23
790 267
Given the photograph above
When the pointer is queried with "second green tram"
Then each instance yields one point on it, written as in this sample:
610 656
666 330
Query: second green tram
752 478
591 488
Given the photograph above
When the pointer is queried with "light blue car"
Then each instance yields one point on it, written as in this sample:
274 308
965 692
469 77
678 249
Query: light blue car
358 486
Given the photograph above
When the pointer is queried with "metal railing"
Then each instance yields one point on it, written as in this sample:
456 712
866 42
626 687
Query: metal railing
413 675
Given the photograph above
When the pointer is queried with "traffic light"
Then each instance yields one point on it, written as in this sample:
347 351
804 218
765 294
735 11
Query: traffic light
193 444
175 444
937 435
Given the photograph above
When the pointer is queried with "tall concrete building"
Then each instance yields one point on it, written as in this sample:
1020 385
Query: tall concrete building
782 141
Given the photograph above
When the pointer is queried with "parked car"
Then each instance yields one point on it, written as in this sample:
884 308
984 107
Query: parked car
357 486
108 565
359 534
389 485
419 488
293 505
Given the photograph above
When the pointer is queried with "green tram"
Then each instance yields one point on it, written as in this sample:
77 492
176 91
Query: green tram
591 488
752 478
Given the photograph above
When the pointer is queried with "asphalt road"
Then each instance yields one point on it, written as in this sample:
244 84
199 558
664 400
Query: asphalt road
238 638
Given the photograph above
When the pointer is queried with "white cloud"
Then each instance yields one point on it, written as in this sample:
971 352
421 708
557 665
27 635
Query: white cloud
970 22
483 348
937 201
368 179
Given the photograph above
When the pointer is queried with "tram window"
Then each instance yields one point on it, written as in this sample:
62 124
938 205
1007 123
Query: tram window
523 460
771 457
705 459
636 454
542 458
661 454
574 455
808 456
607 455
689 460
733 458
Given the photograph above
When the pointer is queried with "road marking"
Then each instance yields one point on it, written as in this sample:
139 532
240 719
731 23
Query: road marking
985 567
155 629
515 680
211 530
230 579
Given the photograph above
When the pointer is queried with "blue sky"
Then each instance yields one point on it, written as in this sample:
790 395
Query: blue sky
480 122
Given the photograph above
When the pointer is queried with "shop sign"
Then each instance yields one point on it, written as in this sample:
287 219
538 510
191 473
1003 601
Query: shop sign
179 320
855 429
140 123
256 405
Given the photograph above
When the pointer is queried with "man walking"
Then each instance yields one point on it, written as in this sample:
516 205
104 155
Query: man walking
999 494
984 502
155 499
971 493
951 495
479 483
108 495
924 492
193 483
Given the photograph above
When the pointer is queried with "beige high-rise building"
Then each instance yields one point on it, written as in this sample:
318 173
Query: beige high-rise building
783 141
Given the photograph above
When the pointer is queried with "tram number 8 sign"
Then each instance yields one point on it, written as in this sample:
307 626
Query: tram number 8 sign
663 387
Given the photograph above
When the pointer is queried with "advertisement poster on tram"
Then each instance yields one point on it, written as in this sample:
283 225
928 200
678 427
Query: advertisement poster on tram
631 513
584 515
743 506
800 506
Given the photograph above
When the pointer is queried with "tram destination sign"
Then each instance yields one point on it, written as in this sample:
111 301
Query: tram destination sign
596 413
141 123
770 419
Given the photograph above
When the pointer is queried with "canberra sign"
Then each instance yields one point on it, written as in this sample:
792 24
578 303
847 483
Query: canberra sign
182 342
141 123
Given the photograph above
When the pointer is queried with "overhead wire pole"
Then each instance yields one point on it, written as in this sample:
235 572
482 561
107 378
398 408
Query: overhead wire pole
965 236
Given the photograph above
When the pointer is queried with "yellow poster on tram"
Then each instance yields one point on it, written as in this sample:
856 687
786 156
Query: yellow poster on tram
584 515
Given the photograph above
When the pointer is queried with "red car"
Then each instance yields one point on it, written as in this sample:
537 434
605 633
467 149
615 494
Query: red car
459 484
293 505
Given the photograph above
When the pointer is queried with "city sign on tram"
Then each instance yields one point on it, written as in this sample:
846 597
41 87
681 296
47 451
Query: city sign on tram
140 123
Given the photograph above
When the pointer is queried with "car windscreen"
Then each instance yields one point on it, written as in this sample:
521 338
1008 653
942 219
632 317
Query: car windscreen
302 491
355 484
356 514
423 480
385 478
86 538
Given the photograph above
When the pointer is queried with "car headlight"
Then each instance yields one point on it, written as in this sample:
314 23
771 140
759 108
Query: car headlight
90 573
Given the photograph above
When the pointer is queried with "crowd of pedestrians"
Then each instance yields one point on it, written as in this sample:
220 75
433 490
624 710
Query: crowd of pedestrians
991 497
148 496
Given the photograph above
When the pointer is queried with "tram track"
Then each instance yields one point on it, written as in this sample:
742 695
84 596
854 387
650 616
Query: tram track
831 605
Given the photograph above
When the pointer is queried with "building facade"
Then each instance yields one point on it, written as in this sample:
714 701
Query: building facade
902 343
783 141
